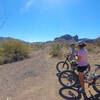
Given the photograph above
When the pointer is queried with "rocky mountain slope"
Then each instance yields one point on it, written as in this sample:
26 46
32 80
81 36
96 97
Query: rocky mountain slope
67 38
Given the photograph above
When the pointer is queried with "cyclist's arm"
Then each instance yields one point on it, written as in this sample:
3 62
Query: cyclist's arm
79 55
78 58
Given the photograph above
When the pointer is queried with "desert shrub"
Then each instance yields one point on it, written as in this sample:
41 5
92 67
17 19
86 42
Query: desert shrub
37 46
90 46
97 43
55 50
13 50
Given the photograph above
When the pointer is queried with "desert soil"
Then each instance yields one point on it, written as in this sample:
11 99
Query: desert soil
34 78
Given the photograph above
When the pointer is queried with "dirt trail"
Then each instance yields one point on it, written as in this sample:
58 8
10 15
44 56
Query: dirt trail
31 79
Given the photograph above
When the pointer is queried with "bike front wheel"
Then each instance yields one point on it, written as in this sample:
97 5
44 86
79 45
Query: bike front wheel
68 78
96 84
61 66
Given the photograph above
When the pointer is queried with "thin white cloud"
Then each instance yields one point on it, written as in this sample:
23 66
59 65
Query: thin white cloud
57 2
28 4
52 4
52 1
47 4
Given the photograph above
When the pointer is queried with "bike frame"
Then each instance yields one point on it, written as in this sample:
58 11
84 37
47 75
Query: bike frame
88 74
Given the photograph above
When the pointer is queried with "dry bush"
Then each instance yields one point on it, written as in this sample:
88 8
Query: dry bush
38 46
55 50
13 50
90 47
97 43
93 47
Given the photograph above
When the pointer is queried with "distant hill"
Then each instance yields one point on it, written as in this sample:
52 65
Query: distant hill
98 39
69 38
65 38
87 40
8 38
3 38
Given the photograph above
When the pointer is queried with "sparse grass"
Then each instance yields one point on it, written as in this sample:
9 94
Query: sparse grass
37 46
13 50
55 50
90 47
97 43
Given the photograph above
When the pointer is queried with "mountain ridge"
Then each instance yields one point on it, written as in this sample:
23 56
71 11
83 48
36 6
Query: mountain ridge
76 38
64 38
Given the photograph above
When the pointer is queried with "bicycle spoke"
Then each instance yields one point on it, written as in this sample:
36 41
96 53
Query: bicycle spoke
65 75
67 78
96 85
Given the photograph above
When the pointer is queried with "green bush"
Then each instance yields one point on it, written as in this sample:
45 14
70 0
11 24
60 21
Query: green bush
55 50
13 50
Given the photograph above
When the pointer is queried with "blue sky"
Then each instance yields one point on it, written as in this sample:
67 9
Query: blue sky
43 20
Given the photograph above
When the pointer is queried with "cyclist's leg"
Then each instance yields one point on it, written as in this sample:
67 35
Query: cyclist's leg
81 70
72 66
81 77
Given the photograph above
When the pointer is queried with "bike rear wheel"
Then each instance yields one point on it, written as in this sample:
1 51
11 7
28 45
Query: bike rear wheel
68 78
61 66
96 84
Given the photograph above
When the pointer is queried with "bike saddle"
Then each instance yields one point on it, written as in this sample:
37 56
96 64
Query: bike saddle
98 65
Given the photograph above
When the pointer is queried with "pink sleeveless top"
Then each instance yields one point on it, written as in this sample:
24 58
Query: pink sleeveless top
84 57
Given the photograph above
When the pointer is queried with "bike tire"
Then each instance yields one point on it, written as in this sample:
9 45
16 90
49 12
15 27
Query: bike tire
61 66
65 96
97 78
67 77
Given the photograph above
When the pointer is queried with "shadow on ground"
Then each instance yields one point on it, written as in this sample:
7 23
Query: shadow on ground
74 94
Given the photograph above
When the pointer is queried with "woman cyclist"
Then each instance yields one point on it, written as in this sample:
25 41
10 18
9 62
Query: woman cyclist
82 58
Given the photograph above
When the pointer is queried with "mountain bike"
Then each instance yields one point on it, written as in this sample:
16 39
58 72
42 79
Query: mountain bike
64 65
70 78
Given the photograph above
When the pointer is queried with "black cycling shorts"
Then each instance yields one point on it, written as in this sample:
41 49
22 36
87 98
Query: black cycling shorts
82 68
